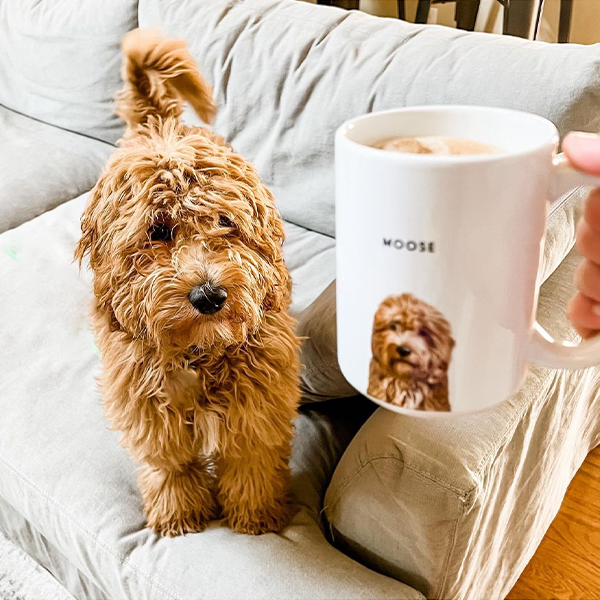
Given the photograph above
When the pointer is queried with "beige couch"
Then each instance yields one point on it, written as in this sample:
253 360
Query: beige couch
389 507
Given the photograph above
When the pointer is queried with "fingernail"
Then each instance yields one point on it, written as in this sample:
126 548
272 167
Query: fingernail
583 150
583 135
581 139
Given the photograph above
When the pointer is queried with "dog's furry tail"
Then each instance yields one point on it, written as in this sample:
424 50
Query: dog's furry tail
159 73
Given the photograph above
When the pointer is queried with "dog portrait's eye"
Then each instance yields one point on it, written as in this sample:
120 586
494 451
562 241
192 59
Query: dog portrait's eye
225 221
425 333
160 232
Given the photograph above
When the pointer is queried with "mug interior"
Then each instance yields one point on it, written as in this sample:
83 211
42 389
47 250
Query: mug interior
510 131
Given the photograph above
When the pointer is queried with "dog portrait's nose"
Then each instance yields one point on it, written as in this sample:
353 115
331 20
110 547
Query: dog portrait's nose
208 299
404 351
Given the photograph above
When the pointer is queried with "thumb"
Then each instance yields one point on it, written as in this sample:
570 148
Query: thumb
583 151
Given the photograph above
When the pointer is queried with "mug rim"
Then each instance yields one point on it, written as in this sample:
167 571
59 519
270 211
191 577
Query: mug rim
341 135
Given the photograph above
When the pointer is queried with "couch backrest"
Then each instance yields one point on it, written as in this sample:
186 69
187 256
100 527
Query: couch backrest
288 73
60 63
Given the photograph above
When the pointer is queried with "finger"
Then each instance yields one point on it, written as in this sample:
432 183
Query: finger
592 210
586 334
584 314
588 242
583 151
587 280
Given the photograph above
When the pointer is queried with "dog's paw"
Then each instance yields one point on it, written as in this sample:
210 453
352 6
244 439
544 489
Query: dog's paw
256 521
177 503
180 522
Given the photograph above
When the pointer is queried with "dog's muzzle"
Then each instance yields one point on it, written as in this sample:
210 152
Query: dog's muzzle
208 299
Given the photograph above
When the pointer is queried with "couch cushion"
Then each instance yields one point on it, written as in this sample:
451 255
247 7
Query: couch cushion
288 73
67 489
42 167
60 63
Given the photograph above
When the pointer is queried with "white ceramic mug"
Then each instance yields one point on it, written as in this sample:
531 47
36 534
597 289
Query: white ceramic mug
438 258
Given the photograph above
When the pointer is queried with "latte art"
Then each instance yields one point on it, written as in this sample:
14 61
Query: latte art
435 144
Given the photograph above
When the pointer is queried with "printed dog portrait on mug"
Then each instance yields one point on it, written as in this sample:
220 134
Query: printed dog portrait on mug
411 348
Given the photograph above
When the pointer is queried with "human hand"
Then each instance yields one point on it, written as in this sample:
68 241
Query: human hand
583 152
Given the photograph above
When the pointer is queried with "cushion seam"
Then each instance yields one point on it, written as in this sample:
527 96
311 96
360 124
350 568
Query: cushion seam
123 560
462 494
78 133
446 570
309 230
46 210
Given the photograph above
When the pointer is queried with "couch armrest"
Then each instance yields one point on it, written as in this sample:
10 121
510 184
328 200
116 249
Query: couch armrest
456 506
561 226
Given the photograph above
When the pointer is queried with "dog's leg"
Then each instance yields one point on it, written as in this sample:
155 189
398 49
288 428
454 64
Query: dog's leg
151 408
253 471
177 500
253 482
176 485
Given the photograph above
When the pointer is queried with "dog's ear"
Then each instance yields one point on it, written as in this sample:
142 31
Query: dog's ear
279 290
88 231
278 283
91 221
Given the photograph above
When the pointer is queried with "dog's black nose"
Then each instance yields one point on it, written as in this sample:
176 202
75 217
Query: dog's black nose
208 299
404 351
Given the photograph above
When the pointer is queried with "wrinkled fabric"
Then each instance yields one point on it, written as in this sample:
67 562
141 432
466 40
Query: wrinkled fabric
60 61
456 507
42 167
68 494
310 258
286 74
561 227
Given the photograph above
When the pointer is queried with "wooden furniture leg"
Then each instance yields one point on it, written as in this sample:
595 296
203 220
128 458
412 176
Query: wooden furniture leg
466 14
422 11
518 15
401 10
564 24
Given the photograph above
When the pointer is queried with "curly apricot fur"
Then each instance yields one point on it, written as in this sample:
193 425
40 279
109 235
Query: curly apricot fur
204 403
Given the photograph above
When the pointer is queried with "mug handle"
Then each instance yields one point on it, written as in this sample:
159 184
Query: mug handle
543 349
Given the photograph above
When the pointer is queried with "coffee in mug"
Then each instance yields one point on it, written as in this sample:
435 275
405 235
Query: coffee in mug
438 253
435 144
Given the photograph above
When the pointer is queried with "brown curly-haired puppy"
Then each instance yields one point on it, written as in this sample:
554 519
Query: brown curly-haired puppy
412 346
200 359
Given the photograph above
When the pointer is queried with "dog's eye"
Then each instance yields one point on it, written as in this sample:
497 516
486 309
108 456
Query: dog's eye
160 232
225 221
